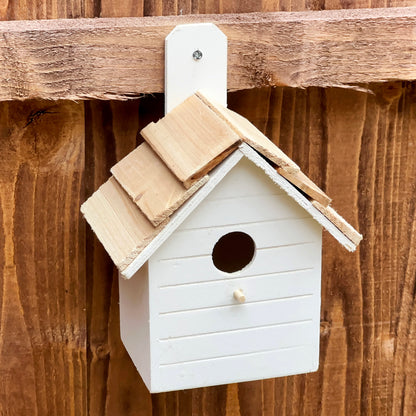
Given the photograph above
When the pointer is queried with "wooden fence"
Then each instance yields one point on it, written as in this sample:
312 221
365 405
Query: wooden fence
60 349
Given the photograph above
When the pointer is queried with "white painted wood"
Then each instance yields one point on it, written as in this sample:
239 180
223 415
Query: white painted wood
201 268
185 75
220 292
237 316
198 334
228 204
244 184
134 321
198 329
240 341
238 368
187 324
282 232
236 211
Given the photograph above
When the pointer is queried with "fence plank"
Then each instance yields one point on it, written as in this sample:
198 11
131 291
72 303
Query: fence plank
43 330
121 58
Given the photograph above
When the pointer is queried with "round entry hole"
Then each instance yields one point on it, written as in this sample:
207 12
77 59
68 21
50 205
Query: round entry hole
233 251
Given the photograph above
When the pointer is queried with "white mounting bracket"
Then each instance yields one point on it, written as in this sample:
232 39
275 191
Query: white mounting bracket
195 59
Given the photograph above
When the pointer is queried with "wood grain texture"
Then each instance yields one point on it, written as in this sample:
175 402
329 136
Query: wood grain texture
367 316
367 296
113 385
327 48
339 222
301 181
151 185
43 329
248 133
43 323
118 222
191 139
363 295
53 9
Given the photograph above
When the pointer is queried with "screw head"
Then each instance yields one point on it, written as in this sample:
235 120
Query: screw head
197 55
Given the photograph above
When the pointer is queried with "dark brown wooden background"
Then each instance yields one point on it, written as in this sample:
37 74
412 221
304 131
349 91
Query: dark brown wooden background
60 350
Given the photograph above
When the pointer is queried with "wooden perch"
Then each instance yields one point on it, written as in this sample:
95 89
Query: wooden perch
124 57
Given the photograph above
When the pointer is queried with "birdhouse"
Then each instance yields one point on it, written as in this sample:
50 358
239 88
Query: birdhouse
218 237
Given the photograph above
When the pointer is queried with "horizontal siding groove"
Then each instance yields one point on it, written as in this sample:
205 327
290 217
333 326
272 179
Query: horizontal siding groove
239 197
246 354
203 256
299 322
237 316
235 277
305 296
245 223
304 243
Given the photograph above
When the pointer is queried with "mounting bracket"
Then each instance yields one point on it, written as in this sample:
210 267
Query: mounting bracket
195 59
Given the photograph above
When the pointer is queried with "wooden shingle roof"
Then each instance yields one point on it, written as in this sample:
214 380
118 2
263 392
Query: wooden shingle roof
186 153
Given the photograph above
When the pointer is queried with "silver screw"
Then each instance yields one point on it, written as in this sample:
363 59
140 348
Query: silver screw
197 55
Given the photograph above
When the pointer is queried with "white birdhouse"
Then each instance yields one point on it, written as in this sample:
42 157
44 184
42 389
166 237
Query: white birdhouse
217 236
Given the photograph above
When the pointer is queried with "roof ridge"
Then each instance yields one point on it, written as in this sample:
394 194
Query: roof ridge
251 135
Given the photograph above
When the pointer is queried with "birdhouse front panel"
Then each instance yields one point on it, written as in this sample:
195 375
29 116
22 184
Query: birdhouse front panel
246 236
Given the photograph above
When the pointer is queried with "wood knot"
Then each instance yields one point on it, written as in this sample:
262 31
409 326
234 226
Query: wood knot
325 328
315 4
257 68
102 351
389 92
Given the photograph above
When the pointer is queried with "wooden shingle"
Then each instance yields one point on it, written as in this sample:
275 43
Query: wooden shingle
118 223
339 222
191 140
250 134
151 185
300 180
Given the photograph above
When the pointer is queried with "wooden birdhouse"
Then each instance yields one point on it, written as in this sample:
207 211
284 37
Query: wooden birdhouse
217 236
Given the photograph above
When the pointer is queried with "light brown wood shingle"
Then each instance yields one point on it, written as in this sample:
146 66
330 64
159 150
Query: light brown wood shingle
118 223
339 222
252 135
191 139
151 185
300 180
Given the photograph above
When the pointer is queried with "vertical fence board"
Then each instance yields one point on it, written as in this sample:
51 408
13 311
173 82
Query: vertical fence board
60 351
43 332
43 322
114 385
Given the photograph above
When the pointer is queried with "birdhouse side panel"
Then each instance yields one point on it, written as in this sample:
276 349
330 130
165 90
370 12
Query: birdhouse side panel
200 334
134 320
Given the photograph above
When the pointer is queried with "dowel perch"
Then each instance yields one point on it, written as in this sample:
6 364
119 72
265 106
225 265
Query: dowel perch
239 296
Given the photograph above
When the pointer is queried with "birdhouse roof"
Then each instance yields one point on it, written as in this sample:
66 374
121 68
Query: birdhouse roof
185 155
